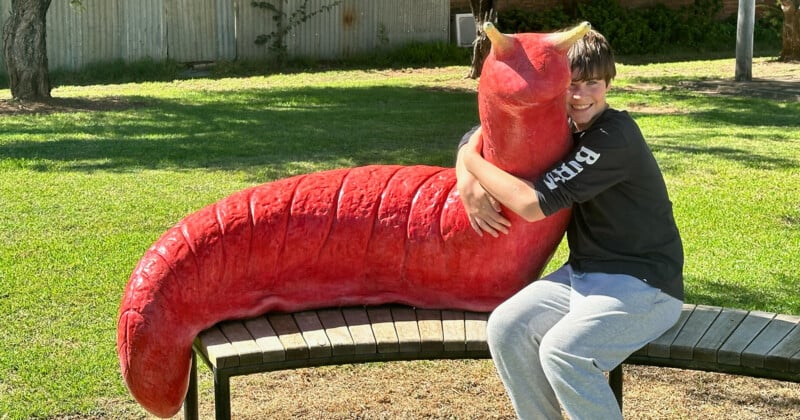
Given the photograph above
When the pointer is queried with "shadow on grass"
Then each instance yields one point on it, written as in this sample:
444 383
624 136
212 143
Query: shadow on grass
677 55
682 136
269 133
744 157
715 109
718 292
249 130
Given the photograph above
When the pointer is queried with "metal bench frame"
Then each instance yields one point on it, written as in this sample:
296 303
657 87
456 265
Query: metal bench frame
706 338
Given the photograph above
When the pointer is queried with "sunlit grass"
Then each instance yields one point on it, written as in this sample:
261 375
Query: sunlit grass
83 194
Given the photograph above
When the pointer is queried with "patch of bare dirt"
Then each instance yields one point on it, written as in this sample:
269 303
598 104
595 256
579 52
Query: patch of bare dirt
784 90
470 389
54 105
771 80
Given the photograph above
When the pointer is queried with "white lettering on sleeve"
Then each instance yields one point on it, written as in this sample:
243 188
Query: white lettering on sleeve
587 156
572 168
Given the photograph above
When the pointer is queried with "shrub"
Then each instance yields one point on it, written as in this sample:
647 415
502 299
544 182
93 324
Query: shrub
651 29
535 21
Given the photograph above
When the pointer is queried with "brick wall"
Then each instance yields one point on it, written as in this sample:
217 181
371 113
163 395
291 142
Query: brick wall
462 6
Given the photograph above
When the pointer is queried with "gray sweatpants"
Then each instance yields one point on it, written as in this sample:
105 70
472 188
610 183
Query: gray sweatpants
553 340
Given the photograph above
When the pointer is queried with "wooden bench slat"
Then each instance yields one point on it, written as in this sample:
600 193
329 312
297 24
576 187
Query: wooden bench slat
217 349
455 335
383 327
243 343
693 331
358 325
290 336
705 334
731 352
336 330
405 324
779 357
755 353
314 335
794 363
475 327
726 323
660 347
430 330
707 338
267 339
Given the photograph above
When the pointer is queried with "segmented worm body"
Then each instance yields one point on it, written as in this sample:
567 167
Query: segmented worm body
359 236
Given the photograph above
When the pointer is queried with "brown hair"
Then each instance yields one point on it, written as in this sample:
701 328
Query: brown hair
592 58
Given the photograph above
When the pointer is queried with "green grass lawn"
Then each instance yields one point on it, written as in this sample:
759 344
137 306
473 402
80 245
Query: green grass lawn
83 194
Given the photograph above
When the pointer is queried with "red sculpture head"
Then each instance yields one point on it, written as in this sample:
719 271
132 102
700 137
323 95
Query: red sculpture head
522 98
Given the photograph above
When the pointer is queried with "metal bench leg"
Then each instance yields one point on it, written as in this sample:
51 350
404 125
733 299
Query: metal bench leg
222 396
190 407
615 380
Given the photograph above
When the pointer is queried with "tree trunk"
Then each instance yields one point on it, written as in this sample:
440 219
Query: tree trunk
483 11
790 50
25 50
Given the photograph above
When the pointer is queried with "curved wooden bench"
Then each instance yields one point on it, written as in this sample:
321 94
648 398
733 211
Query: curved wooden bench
706 338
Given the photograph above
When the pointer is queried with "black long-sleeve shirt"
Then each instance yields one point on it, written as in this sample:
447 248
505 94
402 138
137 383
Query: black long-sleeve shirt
622 220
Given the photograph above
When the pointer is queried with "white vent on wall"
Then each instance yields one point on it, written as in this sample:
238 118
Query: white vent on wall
465 29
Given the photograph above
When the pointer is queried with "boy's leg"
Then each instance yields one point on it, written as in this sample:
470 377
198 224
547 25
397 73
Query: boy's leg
611 316
514 331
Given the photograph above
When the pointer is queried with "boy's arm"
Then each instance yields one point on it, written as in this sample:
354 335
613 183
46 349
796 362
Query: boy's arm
517 194
483 211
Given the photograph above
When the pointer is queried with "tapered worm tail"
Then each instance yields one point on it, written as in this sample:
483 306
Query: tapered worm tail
360 236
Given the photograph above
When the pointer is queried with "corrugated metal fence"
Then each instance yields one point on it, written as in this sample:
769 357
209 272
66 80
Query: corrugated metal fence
213 30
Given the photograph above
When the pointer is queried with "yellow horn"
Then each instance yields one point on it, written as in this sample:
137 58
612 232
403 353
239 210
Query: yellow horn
500 41
564 40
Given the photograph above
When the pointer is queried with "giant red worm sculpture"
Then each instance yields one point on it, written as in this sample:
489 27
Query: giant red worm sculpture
360 236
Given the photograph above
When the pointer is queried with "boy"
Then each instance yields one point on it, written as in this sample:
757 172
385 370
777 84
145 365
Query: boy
622 285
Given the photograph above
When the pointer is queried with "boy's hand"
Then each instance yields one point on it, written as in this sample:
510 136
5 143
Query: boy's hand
483 211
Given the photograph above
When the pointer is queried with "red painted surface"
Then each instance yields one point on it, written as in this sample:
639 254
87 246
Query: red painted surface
360 236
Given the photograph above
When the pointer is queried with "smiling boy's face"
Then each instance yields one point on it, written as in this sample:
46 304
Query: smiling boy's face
586 99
